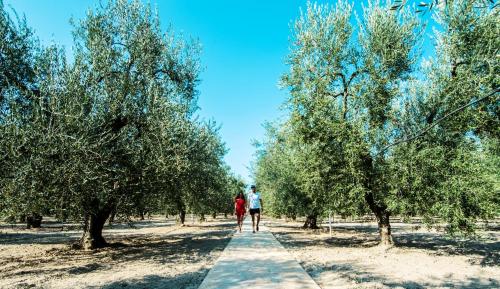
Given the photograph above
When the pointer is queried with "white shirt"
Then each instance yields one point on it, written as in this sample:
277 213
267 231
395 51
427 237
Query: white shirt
254 199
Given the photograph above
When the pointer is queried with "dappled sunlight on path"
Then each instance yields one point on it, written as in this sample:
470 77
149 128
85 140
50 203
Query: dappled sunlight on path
257 260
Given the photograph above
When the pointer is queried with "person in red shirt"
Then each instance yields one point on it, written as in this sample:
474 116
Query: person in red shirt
239 208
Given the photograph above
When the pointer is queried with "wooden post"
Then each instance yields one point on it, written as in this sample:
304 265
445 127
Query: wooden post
330 222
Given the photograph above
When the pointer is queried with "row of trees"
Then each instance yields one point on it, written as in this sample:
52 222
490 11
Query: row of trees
374 128
111 132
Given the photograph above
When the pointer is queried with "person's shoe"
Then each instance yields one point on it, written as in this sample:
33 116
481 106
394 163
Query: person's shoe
253 231
257 228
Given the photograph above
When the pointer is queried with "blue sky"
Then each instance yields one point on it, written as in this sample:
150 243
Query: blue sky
244 47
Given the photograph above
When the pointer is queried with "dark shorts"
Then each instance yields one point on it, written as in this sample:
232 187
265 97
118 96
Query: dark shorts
254 211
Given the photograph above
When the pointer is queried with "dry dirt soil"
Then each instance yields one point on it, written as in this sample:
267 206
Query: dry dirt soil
155 253
158 253
421 258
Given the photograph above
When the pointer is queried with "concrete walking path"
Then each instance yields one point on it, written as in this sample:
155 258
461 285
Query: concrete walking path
256 261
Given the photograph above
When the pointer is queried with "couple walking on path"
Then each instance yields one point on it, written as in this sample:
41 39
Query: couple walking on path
254 205
256 261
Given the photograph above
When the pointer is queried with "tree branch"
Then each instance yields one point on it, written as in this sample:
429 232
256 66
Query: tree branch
356 73
175 77
22 86
424 131
335 95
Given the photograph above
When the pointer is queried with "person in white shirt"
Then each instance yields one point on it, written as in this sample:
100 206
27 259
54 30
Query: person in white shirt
255 206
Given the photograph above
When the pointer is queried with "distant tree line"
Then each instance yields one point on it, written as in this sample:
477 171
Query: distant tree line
111 131
372 128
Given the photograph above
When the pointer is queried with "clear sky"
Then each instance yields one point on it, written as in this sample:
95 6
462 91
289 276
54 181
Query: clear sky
244 47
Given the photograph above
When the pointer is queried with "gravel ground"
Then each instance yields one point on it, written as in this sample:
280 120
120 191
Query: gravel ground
155 254
422 258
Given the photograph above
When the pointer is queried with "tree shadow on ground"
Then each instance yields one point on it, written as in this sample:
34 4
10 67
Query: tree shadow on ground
362 236
355 242
154 223
207 224
165 250
54 272
359 275
184 280
368 228
53 233
162 248
485 251
40 237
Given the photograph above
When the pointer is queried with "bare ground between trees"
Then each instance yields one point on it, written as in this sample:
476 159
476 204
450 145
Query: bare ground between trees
422 258
160 254
155 254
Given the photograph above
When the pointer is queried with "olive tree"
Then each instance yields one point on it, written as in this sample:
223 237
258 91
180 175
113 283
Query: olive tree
382 134
450 124
101 133
19 51
206 175
279 172
341 90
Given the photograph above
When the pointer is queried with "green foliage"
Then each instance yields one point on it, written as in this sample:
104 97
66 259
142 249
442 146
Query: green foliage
18 50
278 174
111 131
454 158
368 129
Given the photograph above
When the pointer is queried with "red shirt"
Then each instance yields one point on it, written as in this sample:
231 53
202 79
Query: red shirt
240 206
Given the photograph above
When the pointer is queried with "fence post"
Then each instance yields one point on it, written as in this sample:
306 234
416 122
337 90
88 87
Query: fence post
330 221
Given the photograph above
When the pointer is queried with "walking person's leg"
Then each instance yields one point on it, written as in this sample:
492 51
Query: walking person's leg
258 220
253 221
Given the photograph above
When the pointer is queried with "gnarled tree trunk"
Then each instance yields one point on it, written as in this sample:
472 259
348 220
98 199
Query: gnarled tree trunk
311 222
378 208
382 215
94 223
34 221
384 228
182 216
92 235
